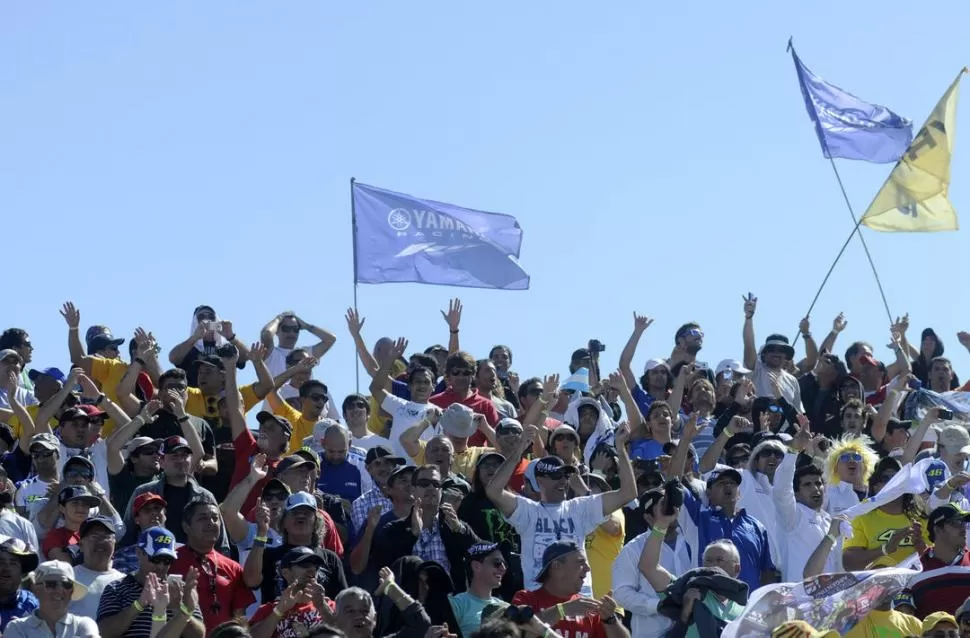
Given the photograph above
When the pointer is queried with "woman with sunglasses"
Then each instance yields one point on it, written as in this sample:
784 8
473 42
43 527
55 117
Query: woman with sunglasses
55 587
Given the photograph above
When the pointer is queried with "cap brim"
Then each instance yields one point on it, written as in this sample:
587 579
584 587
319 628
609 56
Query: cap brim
396 460
43 444
177 448
565 469
164 551
93 501
308 559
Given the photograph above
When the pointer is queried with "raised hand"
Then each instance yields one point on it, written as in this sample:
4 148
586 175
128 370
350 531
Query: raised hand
432 414
177 402
622 436
641 322
451 517
257 467
453 316
964 338
88 387
71 314
354 321
307 363
803 438
292 596
149 409
385 579
550 388
399 348
839 323
691 428
262 516
417 521
750 305
258 351
616 381
901 325
804 326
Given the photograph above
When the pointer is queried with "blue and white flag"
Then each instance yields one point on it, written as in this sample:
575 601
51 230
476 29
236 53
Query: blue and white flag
848 127
400 238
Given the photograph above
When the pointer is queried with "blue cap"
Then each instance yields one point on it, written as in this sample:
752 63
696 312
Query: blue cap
157 541
53 373
300 499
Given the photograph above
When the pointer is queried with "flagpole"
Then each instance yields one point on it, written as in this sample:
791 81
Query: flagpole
353 242
862 238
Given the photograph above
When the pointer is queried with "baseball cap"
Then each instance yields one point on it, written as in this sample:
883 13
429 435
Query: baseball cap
896 424
731 364
264 416
77 493
301 556
383 452
801 629
478 551
210 360
157 541
173 444
955 439
650 498
399 470
103 521
320 428
564 430
508 425
489 456
92 411
140 442
290 462
18 548
53 570
276 484
654 363
53 373
945 514
553 552
45 440
934 619
300 499
530 475
905 597
551 464
308 454
728 472
8 352
144 499
71 414
458 421
79 460
580 353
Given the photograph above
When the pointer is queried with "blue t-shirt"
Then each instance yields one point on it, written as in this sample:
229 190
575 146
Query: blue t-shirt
646 449
23 604
342 480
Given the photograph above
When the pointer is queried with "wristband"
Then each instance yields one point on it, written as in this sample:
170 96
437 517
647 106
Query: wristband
728 431
454 332
261 539
259 543
658 531
162 618
883 549
561 610
832 538
140 361
183 419
72 329
611 620
232 338
277 612
137 605
185 610
101 398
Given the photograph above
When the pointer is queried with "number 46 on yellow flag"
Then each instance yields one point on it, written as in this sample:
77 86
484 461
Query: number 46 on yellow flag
914 197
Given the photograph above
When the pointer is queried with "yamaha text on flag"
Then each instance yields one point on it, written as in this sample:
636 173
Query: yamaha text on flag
848 127
401 238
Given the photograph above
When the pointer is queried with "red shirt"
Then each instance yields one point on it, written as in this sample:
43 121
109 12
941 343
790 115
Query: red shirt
475 401
518 476
245 449
296 621
941 586
59 538
568 627
220 580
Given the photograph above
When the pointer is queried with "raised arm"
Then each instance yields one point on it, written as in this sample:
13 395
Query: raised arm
453 319
640 325
410 438
26 422
354 324
236 526
887 409
327 338
268 334
49 408
234 405
750 349
676 397
811 349
916 438
658 577
901 364
117 440
265 383
616 499
783 489
838 325
177 354
816 562
633 415
382 379
678 463
496 490
73 318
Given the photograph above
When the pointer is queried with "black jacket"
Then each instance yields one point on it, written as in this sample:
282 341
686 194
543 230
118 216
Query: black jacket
706 579
396 540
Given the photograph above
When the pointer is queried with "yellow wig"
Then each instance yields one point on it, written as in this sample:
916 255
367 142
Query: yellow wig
849 443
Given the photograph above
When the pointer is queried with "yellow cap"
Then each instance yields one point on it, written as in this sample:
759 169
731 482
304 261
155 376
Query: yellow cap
801 629
934 619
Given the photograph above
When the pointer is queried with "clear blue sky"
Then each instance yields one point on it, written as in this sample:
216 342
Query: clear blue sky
659 158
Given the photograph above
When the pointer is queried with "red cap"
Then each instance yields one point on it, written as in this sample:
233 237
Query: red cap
92 411
145 499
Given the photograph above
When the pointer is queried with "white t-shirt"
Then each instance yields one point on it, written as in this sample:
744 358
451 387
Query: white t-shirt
276 361
404 414
542 524
787 383
95 582
16 526
369 440
31 496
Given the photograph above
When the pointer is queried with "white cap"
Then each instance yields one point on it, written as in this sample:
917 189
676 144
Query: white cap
731 364
59 570
320 428
653 363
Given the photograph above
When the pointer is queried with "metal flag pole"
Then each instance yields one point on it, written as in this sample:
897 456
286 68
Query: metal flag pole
353 242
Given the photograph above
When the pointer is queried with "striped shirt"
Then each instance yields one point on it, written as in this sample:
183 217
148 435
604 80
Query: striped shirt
119 595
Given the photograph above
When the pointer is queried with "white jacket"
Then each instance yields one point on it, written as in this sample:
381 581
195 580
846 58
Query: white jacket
799 528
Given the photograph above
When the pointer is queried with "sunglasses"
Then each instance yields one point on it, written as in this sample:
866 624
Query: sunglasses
738 460
778 454
694 332
54 585
534 392
78 474
851 456
178 387
318 398
275 496
497 563
357 404
209 569
152 451
290 329
555 476
461 372
428 483
161 560
42 455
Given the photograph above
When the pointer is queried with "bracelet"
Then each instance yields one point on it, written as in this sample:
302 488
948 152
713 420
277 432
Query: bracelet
728 431
228 338
548 632
454 332
611 620
561 610
658 531
806 335
183 419
883 549
277 612
832 538
261 539
162 618
101 398
137 605
185 610
72 328
139 361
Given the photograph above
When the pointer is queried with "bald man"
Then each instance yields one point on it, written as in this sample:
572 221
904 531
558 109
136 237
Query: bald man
338 475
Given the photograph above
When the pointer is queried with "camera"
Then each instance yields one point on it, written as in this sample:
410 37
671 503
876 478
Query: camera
519 614
595 346
673 496
227 351
944 414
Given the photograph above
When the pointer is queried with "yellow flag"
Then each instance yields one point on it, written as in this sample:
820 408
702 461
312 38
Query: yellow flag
914 197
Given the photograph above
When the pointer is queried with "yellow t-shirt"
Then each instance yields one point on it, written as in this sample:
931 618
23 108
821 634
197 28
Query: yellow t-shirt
378 420
197 404
108 374
873 529
601 552
302 428
886 623
464 462
32 410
